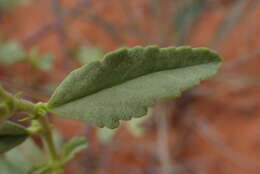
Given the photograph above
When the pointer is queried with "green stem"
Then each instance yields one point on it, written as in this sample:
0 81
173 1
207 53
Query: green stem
21 105
39 110
48 138
12 104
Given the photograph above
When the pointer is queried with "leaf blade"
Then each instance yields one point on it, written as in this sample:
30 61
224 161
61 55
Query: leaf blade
11 135
128 81
11 52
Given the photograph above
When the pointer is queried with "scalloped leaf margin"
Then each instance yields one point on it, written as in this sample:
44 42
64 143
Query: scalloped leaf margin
129 80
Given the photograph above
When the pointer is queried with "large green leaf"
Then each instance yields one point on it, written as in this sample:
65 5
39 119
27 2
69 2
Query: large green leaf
20 159
11 135
129 80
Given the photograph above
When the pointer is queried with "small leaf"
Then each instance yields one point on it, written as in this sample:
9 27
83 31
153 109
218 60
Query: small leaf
43 168
37 60
23 157
46 62
128 81
72 147
57 139
11 135
11 52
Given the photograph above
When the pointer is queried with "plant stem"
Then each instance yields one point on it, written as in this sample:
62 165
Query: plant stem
38 110
21 105
48 138
14 104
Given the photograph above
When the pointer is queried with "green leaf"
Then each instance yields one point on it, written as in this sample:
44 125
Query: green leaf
11 52
46 62
37 60
43 168
11 135
72 147
20 159
7 167
128 81
29 155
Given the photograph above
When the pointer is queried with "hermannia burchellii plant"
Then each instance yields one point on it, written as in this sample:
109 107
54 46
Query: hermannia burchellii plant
123 85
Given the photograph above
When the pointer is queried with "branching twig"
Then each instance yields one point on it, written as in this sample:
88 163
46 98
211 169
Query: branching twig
214 139
134 25
163 150
33 94
242 60
47 28
107 27
238 11
60 30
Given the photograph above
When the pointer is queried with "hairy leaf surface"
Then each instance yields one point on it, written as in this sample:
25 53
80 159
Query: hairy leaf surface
129 80
11 135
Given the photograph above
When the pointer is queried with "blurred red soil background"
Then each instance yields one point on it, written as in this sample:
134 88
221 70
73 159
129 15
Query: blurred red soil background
213 129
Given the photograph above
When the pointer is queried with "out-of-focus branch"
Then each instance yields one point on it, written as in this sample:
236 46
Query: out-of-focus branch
156 7
60 30
161 114
185 132
182 123
239 11
107 27
186 15
214 140
168 36
47 28
35 36
239 80
163 145
134 25
242 60
37 95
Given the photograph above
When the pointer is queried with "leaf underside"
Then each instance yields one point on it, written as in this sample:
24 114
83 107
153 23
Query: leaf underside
130 80
11 135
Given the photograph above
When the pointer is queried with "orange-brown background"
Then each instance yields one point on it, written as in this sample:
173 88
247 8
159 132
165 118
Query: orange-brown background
213 129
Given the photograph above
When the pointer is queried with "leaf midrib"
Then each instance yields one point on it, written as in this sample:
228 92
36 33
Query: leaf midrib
218 63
